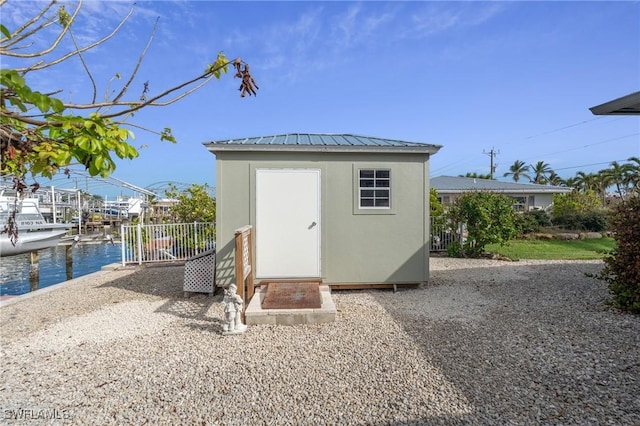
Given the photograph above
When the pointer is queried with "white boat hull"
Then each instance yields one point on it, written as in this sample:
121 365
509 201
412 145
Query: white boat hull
34 233
31 241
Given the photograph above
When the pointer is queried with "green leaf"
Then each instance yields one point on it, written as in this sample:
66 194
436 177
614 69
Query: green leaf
41 101
57 105
11 78
131 152
99 162
167 135
63 158
17 103
63 17
5 31
83 142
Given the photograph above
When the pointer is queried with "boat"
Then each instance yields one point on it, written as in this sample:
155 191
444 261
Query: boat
34 232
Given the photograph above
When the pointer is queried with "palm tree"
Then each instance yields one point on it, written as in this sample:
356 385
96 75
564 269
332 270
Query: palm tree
572 183
586 182
555 179
604 180
517 170
540 172
615 175
632 178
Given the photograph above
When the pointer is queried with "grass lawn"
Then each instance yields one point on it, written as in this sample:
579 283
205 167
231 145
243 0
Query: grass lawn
554 249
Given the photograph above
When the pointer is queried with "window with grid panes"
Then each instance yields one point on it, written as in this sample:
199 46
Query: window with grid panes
374 188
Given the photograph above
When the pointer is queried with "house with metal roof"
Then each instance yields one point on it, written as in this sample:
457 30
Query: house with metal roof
527 196
350 210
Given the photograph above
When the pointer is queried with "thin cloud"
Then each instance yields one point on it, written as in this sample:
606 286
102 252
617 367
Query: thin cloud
359 26
437 18
318 39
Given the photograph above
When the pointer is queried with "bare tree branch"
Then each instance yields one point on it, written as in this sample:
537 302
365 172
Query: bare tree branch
132 105
152 101
19 35
135 70
86 68
16 36
70 54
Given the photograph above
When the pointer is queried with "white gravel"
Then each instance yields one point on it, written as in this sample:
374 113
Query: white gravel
486 342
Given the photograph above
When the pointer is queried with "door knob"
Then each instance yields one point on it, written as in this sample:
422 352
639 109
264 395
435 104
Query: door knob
312 224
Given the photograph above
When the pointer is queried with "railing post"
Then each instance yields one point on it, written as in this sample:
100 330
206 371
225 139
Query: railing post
139 230
123 243
195 236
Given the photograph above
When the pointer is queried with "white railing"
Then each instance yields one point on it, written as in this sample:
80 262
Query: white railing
165 242
443 234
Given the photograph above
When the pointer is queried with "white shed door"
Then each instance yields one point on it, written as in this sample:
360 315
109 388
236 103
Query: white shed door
287 223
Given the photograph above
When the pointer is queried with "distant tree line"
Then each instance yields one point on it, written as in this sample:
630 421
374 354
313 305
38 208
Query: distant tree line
623 178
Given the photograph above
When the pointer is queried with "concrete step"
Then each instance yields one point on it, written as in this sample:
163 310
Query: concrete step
254 314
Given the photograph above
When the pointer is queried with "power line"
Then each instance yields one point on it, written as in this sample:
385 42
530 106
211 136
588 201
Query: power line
587 165
568 127
585 146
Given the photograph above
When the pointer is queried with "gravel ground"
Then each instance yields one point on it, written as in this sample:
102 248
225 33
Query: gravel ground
486 342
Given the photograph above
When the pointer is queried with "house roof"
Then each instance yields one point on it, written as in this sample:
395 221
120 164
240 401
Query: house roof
626 105
457 185
321 142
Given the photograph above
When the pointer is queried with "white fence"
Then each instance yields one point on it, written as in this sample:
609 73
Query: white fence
165 242
443 234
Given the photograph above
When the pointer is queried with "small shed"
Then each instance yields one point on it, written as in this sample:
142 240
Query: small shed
350 210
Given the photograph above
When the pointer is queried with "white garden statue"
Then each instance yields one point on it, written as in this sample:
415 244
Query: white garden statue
232 311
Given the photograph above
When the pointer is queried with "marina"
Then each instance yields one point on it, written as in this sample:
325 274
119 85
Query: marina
54 269
64 233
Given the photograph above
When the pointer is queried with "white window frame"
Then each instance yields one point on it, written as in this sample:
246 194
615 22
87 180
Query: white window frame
380 184
393 189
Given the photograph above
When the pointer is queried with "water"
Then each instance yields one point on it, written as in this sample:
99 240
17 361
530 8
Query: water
87 258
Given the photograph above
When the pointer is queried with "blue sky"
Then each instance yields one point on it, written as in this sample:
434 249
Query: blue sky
471 76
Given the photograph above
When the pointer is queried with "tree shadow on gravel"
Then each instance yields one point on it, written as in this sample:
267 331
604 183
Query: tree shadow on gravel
162 280
167 282
528 343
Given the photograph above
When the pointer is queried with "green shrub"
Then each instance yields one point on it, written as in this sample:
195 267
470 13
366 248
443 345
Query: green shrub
575 202
454 249
527 223
622 266
594 220
437 210
489 218
541 217
532 221
579 211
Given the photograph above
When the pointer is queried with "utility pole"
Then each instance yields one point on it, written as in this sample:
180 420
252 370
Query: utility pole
492 154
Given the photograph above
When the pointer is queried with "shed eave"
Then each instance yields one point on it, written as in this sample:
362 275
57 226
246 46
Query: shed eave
425 149
625 105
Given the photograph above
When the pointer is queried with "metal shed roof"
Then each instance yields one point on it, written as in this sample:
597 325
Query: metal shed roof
626 105
321 142
451 184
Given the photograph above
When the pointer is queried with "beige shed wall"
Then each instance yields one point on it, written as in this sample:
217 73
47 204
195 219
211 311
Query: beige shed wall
356 246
